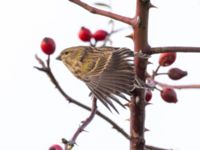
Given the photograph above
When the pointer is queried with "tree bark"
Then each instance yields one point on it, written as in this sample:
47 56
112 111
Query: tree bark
137 105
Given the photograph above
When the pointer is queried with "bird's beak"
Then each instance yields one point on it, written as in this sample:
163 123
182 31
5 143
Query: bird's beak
58 58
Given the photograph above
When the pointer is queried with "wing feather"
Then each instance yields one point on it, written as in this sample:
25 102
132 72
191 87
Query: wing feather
104 99
112 76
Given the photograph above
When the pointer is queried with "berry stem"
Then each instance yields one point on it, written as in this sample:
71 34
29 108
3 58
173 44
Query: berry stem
93 44
48 61
155 73
164 73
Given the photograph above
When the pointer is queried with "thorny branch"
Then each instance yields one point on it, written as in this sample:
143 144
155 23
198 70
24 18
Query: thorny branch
127 20
155 50
69 144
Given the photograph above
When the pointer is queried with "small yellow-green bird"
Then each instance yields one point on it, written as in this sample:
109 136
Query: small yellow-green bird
107 71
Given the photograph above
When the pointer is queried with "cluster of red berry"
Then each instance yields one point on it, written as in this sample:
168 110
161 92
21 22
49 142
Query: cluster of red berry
168 94
86 35
48 44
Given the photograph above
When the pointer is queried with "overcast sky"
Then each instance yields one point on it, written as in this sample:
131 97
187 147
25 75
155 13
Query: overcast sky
34 115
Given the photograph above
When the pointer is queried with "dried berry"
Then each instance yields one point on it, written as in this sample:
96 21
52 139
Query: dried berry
176 73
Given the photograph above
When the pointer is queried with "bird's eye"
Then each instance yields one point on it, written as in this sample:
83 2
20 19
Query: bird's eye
66 53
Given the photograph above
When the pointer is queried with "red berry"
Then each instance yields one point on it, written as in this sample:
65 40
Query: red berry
100 35
176 73
48 45
55 147
169 95
85 34
167 59
148 95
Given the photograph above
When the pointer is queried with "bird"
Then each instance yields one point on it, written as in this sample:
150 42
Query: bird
107 71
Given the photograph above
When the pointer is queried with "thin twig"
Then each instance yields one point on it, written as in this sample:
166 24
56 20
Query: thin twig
40 61
71 100
162 73
70 144
155 72
191 86
155 50
127 20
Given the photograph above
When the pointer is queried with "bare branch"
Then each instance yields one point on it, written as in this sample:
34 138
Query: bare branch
127 20
40 61
155 50
70 144
71 100
138 103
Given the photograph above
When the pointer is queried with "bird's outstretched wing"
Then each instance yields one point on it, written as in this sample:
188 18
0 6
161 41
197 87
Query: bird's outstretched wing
112 77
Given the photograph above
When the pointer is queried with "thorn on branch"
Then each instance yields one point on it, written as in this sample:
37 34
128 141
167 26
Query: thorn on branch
146 130
131 36
152 6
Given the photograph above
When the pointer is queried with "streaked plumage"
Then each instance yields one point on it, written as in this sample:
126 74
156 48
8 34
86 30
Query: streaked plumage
108 72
